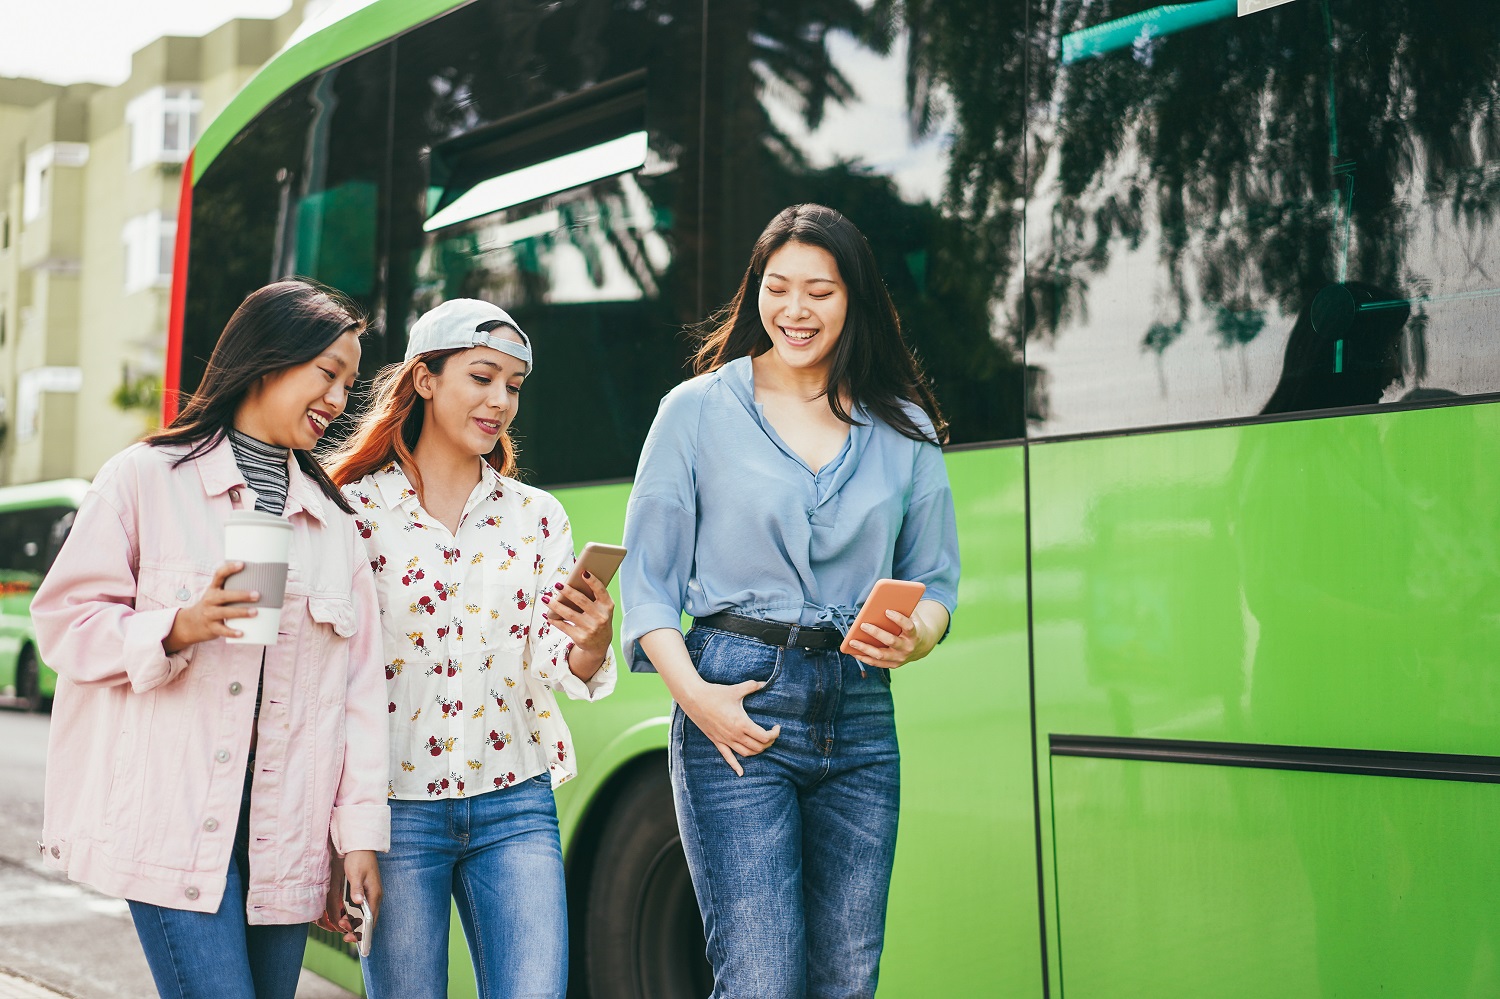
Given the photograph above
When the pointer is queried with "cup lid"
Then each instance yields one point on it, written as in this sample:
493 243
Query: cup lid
256 518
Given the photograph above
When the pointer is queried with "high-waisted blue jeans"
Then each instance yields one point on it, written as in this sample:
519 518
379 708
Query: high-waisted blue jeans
791 863
498 856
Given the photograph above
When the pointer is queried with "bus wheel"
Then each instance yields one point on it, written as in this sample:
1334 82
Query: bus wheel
643 936
28 682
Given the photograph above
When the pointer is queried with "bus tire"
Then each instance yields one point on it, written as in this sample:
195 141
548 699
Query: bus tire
643 936
28 681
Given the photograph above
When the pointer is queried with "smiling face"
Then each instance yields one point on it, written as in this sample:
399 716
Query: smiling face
294 406
473 400
803 302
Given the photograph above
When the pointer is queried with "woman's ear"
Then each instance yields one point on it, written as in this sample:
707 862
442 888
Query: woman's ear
422 380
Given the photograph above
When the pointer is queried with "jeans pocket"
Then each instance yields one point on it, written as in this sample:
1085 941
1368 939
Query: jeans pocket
729 659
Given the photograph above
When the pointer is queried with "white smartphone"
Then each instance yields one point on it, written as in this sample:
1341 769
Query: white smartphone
361 919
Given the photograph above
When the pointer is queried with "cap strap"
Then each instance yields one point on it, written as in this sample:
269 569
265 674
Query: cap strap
492 338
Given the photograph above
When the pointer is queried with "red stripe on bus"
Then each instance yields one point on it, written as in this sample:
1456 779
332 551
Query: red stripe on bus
172 378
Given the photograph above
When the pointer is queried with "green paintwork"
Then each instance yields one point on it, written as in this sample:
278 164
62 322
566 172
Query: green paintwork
1181 881
344 38
1325 582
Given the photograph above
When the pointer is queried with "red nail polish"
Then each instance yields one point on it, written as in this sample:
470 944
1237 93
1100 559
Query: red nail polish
557 586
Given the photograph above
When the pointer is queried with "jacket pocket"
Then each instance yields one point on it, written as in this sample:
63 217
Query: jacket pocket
336 612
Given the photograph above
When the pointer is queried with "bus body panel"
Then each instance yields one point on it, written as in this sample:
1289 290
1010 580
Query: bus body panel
1319 583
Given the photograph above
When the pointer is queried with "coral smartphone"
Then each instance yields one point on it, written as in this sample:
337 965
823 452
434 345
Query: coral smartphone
899 595
600 561
360 919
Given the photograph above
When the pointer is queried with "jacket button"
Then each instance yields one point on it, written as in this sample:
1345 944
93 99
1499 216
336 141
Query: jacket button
190 893
235 688
222 756
211 824
183 594
56 853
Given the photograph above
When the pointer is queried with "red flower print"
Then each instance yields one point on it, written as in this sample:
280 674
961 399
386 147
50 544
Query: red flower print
545 533
433 746
562 752
520 600
392 708
378 563
501 783
364 527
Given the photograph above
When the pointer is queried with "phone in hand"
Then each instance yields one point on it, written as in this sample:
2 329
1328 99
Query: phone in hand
361 919
599 561
899 595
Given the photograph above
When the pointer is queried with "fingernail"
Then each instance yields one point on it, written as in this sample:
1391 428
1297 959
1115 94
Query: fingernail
254 596
546 598
588 575
557 586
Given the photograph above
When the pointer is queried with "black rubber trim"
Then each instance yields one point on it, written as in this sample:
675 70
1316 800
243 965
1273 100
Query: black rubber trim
1370 762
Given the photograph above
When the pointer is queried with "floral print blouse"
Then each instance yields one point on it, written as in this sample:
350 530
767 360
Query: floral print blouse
471 664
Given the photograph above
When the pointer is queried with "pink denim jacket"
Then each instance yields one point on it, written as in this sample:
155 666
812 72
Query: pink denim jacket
147 753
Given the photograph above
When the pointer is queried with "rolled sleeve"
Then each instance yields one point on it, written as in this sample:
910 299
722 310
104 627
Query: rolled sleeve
661 527
551 645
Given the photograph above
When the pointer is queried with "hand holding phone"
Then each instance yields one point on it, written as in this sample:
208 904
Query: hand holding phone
360 920
599 561
899 595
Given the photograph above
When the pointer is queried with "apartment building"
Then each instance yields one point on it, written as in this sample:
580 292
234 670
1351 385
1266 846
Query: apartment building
90 177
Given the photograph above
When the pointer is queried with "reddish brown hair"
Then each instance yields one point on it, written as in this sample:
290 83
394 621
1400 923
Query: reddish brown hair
391 425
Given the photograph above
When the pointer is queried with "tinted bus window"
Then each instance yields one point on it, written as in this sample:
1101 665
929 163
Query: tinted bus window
831 103
1241 216
30 540
297 193
555 174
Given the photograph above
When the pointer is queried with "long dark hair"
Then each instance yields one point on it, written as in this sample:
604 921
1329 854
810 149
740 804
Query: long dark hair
871 362
276 327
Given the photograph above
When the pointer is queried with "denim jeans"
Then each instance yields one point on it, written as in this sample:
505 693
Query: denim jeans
496 854
791 863
216 955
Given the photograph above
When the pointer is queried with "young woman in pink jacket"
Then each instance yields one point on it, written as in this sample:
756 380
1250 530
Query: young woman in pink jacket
203 781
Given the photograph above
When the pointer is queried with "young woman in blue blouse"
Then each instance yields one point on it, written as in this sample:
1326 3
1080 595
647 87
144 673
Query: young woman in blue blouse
800 466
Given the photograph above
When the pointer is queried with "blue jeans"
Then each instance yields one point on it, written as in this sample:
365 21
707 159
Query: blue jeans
496 854
216 955
791 863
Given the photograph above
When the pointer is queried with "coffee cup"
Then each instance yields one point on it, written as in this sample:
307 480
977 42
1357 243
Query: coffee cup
263 542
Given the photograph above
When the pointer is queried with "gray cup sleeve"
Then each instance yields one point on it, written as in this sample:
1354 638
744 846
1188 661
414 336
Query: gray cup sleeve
267 578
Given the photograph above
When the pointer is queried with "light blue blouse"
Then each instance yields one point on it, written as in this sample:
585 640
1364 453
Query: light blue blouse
725 516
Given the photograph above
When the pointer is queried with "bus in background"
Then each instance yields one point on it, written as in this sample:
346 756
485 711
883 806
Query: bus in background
1208 300
34 522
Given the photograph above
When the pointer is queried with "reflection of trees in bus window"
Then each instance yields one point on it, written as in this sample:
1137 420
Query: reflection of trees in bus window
1191 196
813 102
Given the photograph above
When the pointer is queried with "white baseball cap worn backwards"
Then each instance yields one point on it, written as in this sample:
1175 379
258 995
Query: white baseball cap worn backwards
455 325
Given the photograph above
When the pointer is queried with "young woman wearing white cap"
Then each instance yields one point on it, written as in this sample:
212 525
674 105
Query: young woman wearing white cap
469 564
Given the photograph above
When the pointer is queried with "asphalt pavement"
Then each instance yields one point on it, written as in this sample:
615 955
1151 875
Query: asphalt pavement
58 938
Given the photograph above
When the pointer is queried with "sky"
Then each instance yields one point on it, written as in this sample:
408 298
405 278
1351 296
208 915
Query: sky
90 41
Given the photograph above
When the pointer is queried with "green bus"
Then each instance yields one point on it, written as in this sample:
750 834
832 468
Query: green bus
34 521
1208 293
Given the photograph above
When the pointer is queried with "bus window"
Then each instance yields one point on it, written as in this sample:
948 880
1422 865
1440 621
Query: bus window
297 194
1287 212
557 179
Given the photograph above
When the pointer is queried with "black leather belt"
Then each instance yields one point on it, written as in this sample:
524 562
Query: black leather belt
788 636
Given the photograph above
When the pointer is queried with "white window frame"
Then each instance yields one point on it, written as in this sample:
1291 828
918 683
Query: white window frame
148 115
36 186
150 242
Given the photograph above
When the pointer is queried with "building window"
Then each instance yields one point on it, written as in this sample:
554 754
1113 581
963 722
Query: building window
37 185
149 242
163 125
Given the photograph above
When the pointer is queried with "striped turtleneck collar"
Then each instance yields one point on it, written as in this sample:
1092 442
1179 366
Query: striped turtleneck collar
264 467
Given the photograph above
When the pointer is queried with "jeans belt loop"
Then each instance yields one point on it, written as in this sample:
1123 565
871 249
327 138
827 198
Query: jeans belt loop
791 638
